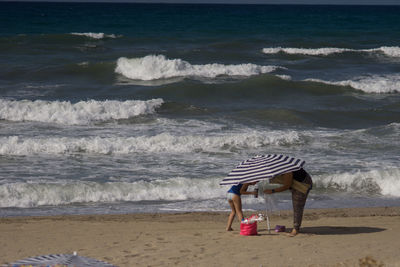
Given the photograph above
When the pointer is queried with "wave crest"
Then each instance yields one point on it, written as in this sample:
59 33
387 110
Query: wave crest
384 182
25 195
83 112
93 35
391 51
164 142
370 84
305 51
153 67
34 194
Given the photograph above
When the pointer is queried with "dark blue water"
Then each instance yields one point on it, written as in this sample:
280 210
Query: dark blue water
175 21
108 108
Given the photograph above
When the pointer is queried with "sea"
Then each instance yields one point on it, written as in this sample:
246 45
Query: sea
114 108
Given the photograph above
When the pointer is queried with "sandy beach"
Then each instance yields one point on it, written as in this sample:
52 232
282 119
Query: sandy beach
331 237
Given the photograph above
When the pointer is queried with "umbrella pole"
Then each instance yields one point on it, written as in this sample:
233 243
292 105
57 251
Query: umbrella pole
268 211
269 207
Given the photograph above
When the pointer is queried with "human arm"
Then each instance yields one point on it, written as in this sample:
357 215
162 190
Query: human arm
243 190
287 179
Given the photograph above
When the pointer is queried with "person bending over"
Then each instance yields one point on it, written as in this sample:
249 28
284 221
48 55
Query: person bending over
235 201
300 183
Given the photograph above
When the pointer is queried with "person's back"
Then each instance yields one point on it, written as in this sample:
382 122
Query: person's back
235 189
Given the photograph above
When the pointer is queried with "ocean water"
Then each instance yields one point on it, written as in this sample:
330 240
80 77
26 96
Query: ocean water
121 108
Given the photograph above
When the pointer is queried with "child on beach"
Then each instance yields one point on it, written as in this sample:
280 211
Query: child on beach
235 201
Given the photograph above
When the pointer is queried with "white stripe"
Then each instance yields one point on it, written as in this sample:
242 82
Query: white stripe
270 168
262 167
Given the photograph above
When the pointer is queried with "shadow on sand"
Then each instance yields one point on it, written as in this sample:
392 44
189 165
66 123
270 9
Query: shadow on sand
329 230
340 230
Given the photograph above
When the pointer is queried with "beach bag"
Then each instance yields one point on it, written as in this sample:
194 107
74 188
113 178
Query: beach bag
248 229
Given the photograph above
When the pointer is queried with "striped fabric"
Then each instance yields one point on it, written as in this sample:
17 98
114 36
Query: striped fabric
60 260
262 167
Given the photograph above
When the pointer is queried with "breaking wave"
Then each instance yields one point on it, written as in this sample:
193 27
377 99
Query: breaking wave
34 194
369 84
25 195
153 67
164 142
83 112
384 182
391 51
93 35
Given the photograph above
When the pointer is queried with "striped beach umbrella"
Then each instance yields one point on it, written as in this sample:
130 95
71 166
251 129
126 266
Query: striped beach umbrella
262 167
70 260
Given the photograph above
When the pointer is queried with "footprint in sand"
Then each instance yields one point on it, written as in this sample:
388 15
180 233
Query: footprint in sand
132 255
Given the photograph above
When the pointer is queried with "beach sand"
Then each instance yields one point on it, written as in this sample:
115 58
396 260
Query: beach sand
330 237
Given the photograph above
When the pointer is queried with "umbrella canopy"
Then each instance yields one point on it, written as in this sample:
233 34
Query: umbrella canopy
262 167
61 259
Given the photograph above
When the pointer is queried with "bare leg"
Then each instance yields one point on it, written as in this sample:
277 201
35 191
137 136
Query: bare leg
231 216
237 202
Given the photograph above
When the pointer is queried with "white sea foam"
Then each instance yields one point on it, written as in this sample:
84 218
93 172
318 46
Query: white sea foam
378 181
34 194
284 77
164 142
305 51
391 51
93 35
61 193
83 112
153 67
369 84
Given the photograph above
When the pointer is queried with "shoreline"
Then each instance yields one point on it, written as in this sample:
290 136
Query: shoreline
330 237
330 212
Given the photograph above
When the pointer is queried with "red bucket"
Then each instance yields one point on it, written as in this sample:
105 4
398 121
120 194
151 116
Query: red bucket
248 229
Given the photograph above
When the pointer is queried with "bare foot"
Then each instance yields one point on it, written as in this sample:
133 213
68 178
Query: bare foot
229 229
293 233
